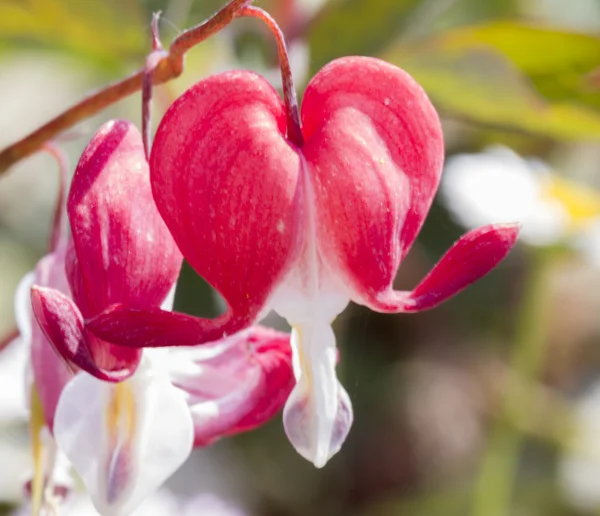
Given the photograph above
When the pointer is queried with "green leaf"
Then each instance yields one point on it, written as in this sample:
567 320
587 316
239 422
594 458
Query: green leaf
356 27
488 74
105 32
558 62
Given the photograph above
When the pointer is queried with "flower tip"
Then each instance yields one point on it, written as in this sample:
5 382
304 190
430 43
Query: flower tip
506 233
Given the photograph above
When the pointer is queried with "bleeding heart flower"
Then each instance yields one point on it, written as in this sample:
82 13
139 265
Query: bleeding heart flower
302 224
121 251
125 439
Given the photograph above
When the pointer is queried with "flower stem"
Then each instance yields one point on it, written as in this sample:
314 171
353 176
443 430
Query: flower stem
169 67
289 91
58 221
152 62
493 490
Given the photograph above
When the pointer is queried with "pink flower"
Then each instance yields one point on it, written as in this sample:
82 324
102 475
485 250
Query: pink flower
302 224
130 423
121 251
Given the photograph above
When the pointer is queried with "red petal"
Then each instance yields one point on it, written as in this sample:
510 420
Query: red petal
225 181
469 259
153 327
374 148
63 325
123 251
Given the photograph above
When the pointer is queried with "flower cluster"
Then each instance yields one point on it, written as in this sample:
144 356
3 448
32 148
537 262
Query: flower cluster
299 212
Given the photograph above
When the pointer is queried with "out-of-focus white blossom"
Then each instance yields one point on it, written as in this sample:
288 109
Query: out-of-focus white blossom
497 186
579 469
163 503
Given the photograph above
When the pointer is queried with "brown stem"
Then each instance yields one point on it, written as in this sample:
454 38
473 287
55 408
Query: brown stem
289 91
169 67
58 221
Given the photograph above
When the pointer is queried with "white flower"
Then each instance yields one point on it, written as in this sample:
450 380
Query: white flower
497 185
162 503
579 470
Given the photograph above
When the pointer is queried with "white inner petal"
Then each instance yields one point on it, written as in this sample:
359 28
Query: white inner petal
318 414
124 439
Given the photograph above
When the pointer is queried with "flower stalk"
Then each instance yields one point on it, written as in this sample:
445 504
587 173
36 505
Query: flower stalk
294 129
169 67
152 61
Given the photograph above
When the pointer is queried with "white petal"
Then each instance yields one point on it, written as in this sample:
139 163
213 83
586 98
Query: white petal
498 186
13 394
124 439
318 414
167 303
23 311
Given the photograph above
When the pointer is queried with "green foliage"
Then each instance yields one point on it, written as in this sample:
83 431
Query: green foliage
510 75
105 34
356 27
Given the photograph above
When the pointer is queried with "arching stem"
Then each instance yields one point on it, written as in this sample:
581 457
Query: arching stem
58 221
169 67
289 92
152 61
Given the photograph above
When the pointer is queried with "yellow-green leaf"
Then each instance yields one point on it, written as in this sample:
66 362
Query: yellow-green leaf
470 72
106 32
356 27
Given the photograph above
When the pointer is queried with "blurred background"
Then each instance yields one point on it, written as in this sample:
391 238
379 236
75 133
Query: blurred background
486 406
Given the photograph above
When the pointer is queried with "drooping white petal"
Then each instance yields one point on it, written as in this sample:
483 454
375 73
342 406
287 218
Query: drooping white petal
23 311
123 439
318 414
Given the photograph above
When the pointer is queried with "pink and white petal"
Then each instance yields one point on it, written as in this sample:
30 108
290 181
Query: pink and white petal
273 354
63 325
318 414
213 418
126 439
224 178
123 249
374 149
469 259
50 371
235 384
